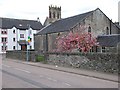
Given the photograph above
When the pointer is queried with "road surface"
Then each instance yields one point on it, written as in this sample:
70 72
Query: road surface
18 75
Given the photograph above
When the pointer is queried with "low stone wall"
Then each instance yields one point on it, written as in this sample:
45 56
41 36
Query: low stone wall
103 62
21 55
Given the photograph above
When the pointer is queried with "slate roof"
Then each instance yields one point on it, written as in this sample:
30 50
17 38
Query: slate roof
109 40
8 23
63 24
118 27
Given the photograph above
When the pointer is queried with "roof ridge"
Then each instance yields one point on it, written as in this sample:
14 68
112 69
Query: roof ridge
73 16
62 24
18 19
78 14
10 22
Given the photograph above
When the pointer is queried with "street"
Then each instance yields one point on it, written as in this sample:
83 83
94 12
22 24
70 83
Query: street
18 75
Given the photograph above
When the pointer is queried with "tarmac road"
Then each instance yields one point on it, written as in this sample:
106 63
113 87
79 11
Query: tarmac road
18 75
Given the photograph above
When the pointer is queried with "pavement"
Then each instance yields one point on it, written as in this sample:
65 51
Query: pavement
88 73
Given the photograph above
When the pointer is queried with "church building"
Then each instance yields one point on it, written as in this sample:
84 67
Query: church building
95 21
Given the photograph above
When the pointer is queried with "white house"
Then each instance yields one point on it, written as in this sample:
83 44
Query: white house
15 33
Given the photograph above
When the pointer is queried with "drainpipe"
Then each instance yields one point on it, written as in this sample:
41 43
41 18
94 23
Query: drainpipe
110 26
46 46
46 42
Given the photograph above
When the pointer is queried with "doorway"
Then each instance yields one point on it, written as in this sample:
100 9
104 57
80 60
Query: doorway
24 47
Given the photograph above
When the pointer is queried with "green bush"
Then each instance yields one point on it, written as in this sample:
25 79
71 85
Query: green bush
40 58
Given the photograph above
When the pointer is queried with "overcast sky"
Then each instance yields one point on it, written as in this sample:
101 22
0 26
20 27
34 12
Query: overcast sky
31 9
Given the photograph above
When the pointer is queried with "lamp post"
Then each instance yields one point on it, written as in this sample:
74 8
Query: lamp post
28 42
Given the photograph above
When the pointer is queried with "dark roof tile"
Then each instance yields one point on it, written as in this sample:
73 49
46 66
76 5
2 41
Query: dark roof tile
8 23
109 40
63 24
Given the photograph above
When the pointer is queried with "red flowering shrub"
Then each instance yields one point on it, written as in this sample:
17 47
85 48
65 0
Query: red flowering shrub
82 41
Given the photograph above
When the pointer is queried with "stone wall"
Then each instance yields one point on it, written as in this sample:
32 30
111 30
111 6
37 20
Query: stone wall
39 42
21 55
97 21
103 62
118 50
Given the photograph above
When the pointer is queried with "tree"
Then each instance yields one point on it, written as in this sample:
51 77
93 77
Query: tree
76 40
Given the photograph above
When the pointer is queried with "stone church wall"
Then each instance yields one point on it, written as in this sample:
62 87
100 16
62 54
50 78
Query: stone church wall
98 22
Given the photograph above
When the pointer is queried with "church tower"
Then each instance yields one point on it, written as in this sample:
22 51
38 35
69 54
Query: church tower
54 15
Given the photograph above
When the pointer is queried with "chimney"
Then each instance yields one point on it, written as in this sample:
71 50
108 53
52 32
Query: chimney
38 19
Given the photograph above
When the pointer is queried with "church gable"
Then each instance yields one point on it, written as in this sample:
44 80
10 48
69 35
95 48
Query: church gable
64 25
94 21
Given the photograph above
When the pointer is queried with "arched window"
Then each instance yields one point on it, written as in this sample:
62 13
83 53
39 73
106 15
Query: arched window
89 29
59 34
53 14
107 31
58 16
49 14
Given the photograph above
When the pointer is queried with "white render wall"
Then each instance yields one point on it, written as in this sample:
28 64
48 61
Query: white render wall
1 44
10 35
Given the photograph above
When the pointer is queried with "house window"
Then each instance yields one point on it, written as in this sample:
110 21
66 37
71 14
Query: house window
3 31
13 47
89 29
30 47
4 39
4 48
13 39
21 35
14 31
96 48
92 49
103 49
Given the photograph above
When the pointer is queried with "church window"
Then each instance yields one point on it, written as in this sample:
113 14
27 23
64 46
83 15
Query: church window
89 29
53 14
49 14
58 15
59 34
107 31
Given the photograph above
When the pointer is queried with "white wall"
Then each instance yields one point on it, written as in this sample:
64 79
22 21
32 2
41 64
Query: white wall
10 35
1 44
31 36
25 32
